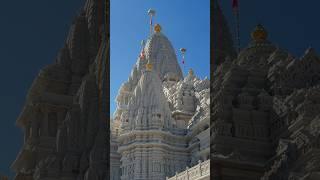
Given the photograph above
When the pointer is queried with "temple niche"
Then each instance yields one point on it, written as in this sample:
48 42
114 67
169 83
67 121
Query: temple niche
161 125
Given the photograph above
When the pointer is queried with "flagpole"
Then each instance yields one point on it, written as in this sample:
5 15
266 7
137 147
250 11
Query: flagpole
150 24
235 7
183 51
184 65
151 13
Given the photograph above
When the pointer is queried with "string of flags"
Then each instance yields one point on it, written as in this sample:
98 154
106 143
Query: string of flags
151 13
183 51
142 54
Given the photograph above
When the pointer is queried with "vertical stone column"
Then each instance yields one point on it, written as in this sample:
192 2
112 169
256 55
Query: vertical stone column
27 132
60 117
200 170
44 121
150 163
35 125
187 171
138 167
145 162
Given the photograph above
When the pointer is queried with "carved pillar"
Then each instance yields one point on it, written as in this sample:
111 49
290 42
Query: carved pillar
200 170
187 171
35 124
60 117
137 169
52 119
44 121
27 131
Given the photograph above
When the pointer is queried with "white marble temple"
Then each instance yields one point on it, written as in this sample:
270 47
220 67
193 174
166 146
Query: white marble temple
161 125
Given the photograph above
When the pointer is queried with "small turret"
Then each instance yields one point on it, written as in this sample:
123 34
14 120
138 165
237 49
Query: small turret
255 55
157 28
191 73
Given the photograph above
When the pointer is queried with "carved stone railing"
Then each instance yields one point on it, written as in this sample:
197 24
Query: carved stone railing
122 106
198 171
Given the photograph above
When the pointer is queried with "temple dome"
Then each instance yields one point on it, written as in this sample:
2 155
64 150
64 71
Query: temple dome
259 33
160 51
157 28
259 49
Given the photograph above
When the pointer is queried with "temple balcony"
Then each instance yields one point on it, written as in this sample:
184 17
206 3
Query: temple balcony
122 106
200 171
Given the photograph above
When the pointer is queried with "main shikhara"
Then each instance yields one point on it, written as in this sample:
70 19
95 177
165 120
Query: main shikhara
161 124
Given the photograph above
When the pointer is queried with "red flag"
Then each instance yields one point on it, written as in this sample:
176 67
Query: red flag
142 54
235 4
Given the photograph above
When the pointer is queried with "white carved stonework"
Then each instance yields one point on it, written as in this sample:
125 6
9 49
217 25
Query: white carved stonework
199 171
158 113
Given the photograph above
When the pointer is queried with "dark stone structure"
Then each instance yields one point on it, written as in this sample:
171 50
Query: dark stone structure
65 114
264 110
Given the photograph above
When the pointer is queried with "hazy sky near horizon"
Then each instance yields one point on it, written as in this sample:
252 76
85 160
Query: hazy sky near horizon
185 23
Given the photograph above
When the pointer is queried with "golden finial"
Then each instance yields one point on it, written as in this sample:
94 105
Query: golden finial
149 66
157 28
191 72
259 33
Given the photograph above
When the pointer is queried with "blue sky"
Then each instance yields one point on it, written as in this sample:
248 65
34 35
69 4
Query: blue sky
31 34
185 23
291 24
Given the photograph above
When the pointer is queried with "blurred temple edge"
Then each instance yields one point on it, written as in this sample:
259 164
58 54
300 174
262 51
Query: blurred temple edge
2 177
265 107
67 107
